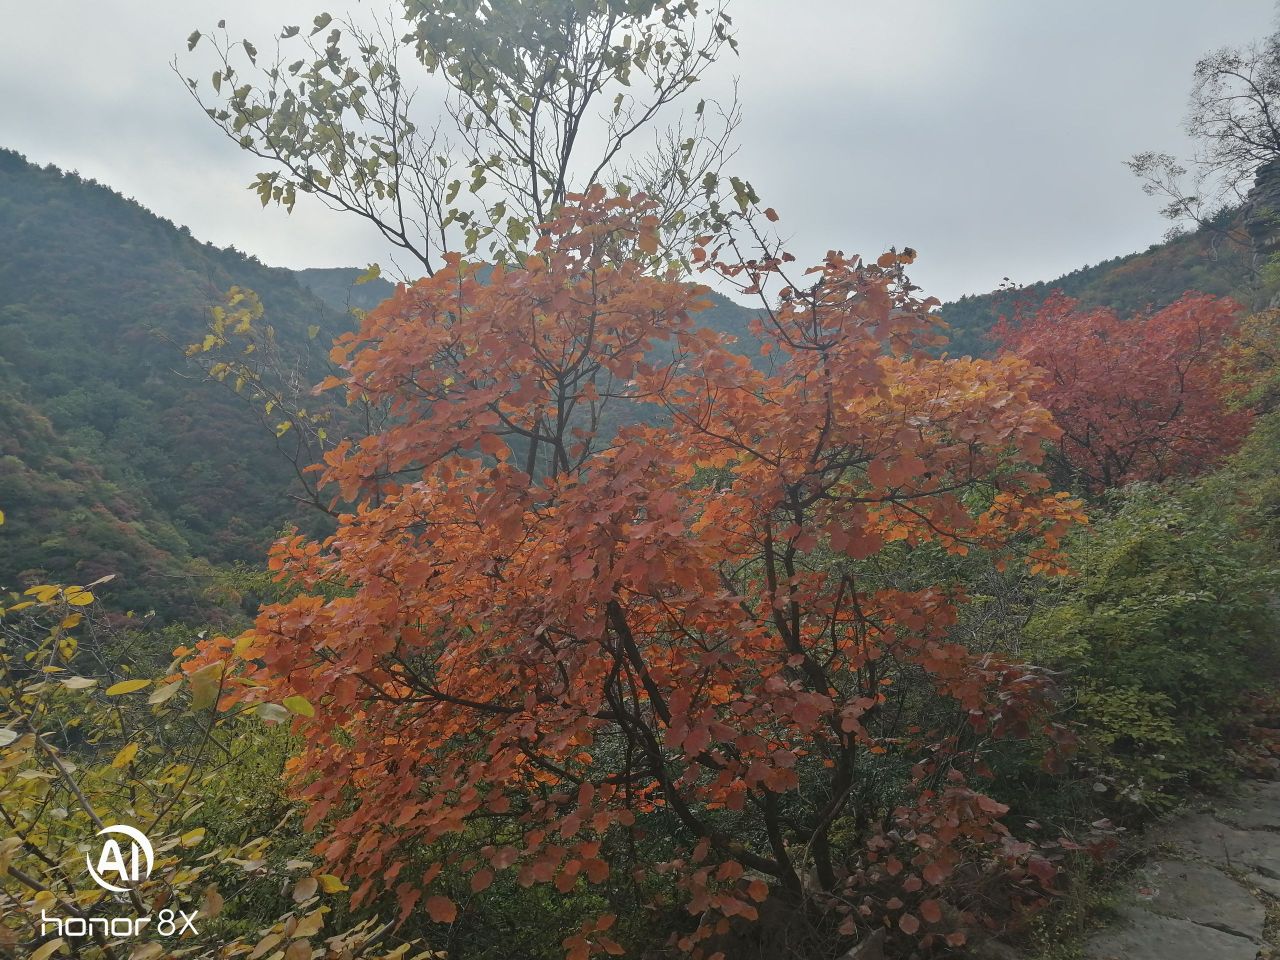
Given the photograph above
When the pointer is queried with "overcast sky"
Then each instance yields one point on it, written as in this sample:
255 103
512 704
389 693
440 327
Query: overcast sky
988 134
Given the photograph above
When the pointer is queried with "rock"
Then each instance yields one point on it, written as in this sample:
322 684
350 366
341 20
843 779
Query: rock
1258 808
1141 935
1205 837
994 950
1266 884
1262 209
870 948
1203 895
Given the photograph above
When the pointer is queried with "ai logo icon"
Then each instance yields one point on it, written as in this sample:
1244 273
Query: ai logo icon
111 860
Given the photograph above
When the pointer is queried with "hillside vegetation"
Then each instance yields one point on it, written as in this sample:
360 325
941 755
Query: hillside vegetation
1205 260
115 456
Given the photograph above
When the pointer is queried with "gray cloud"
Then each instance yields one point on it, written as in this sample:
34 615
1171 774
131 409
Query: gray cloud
988 134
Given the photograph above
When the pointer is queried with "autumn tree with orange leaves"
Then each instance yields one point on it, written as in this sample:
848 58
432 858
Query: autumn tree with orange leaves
1142 398
531 642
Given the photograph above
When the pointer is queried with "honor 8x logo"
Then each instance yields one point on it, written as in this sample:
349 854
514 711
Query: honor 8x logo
122 864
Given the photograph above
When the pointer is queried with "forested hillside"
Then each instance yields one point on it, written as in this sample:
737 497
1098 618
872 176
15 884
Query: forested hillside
1215 259
115 457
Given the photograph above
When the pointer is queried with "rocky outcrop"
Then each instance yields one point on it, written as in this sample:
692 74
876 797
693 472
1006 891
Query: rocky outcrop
1262 211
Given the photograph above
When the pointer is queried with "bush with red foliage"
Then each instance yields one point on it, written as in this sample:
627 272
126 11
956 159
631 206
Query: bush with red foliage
1139 398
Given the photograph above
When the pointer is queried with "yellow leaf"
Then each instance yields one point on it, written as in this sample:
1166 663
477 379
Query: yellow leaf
43 593
299 705
192 837
331 884
204 686
81 599
126 686
164 692
49 949
1 516
271 712
8 847
125 755
373 273
71 620
265 945
311 924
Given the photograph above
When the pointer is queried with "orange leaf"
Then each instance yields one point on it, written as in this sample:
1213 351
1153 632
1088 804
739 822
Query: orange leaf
441 909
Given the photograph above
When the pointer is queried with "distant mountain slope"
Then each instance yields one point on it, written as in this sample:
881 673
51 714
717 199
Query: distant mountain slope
1155 277
114 456
1203 261
336 286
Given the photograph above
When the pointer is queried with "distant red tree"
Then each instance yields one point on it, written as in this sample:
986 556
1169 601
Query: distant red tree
1139 398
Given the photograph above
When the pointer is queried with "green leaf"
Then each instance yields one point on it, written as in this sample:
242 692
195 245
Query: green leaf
372 273
299 705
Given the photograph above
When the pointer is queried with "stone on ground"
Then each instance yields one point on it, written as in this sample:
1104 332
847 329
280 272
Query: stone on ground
1258 807
1203 895
1142 935
1203 836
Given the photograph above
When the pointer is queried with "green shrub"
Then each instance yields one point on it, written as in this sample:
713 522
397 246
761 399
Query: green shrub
1161 630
